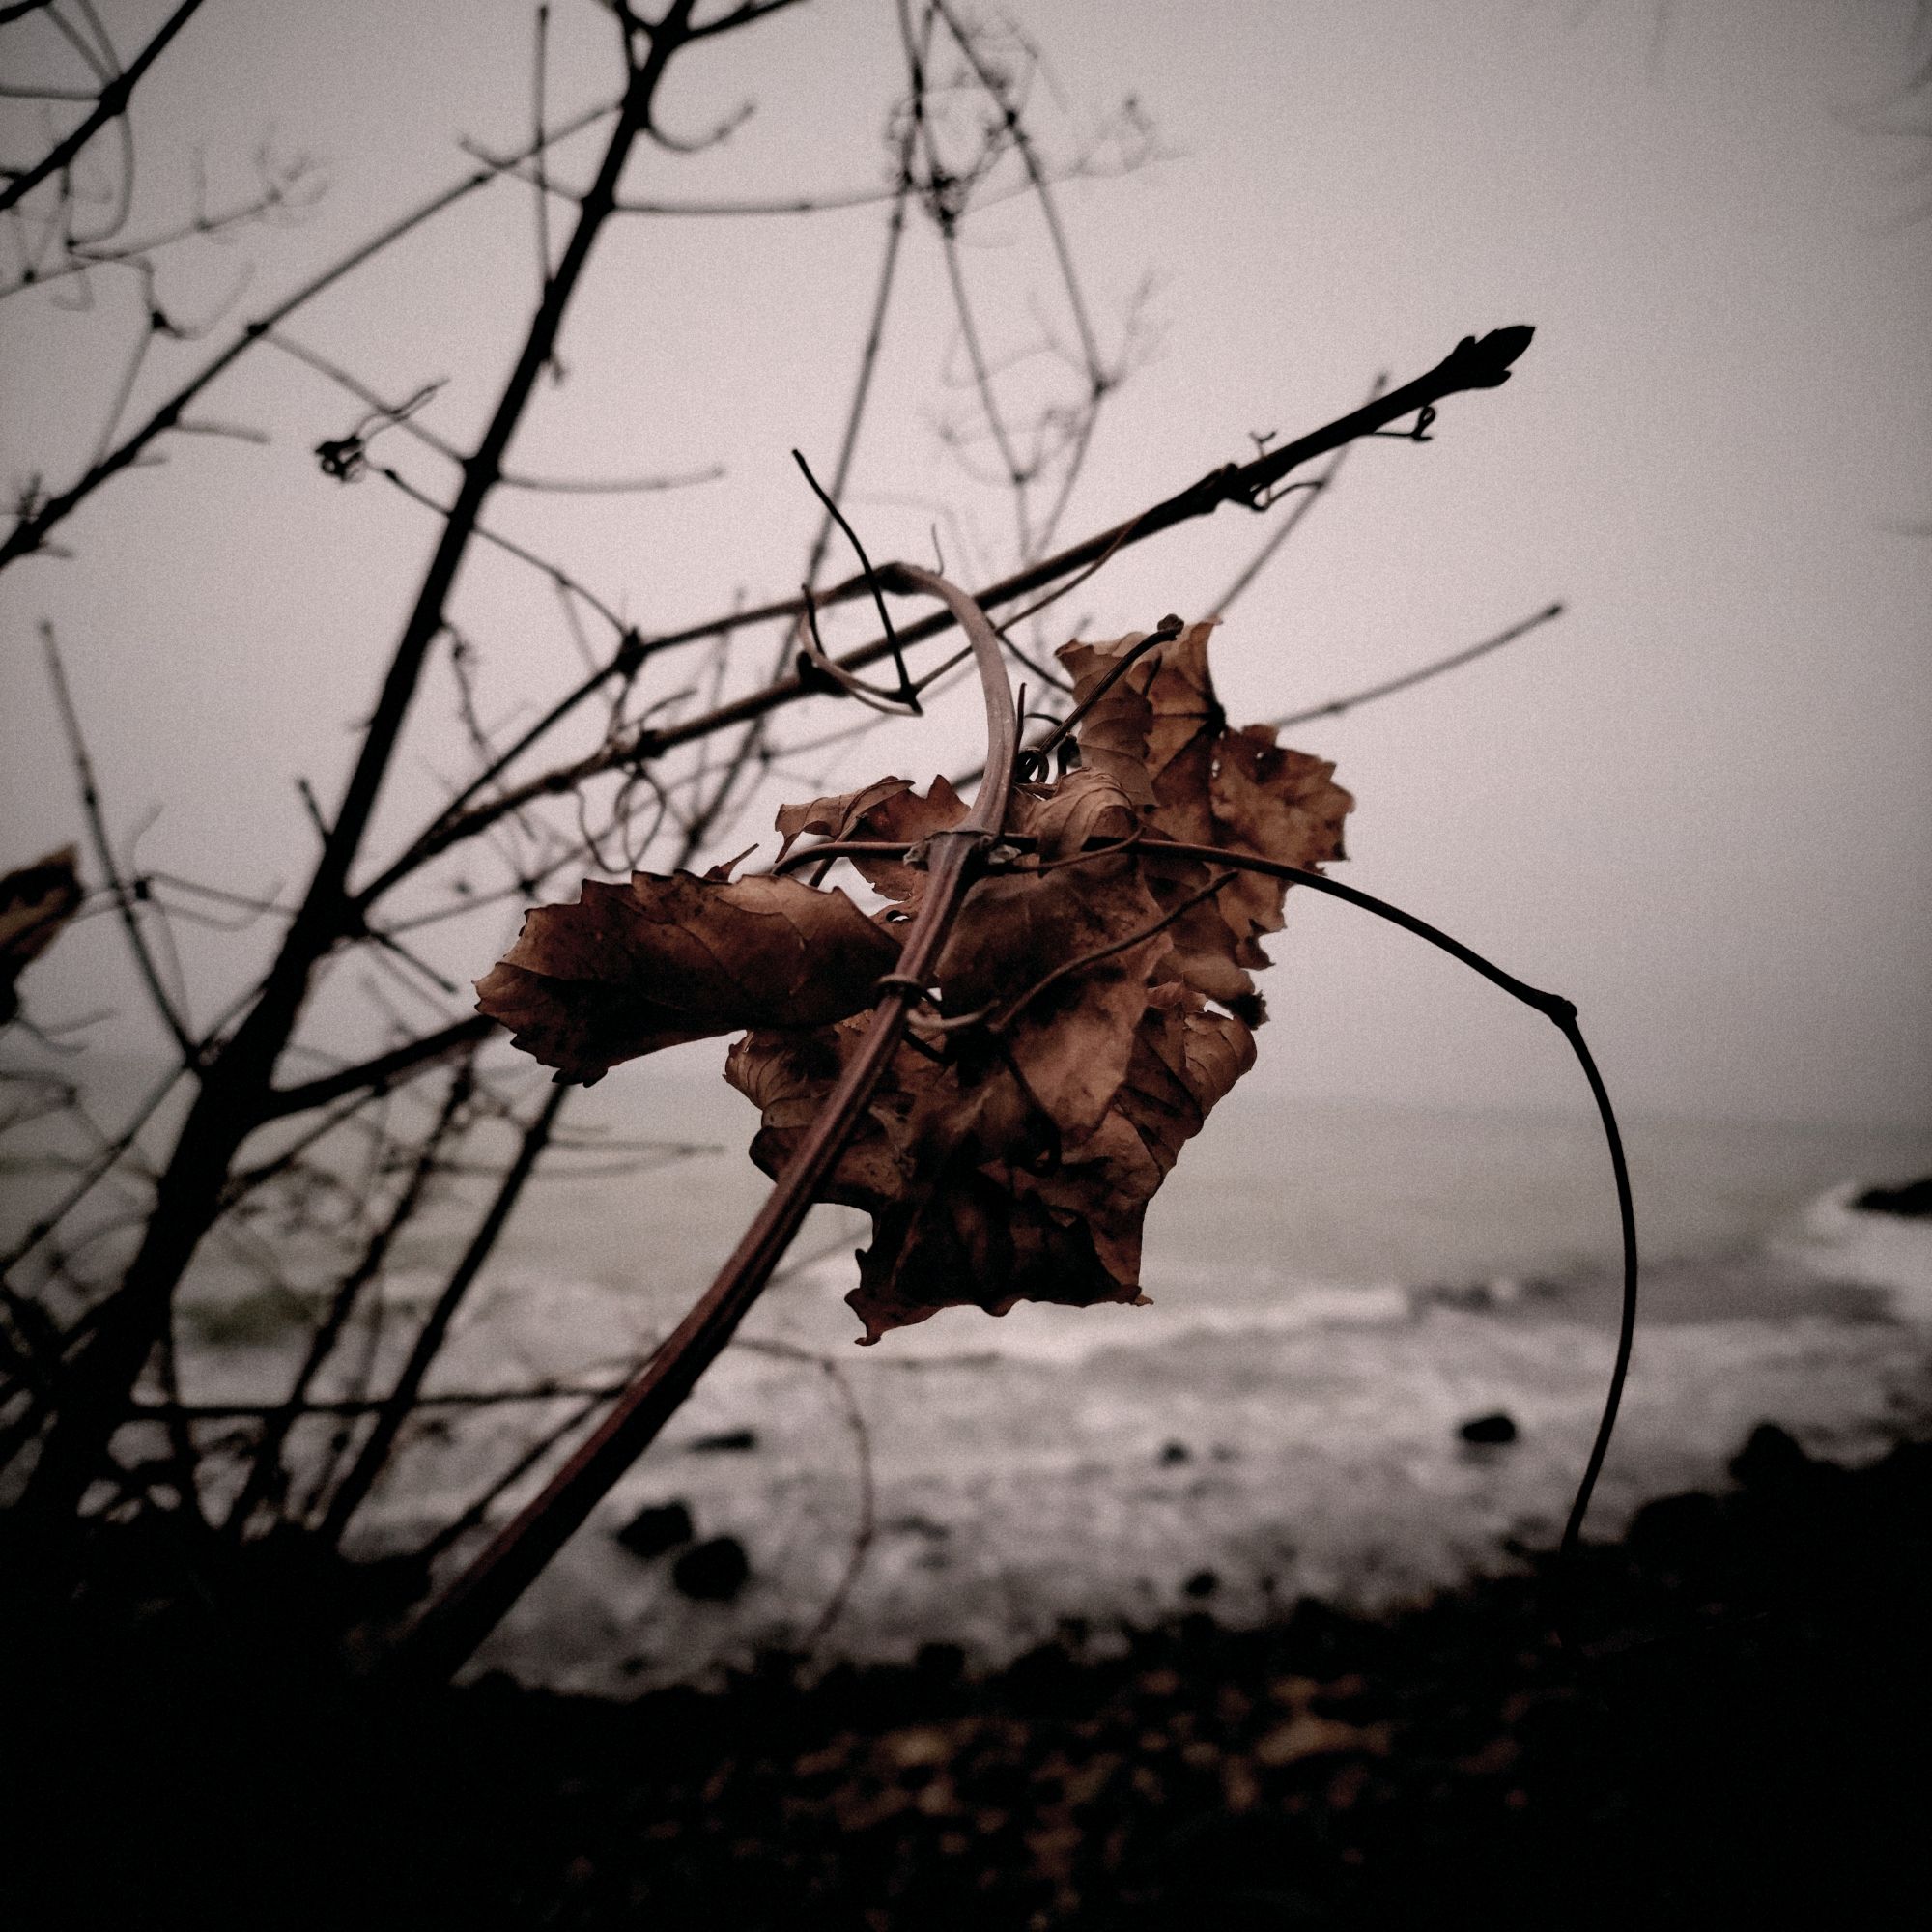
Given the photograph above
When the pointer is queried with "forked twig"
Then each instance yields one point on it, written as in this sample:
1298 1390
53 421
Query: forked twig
185 1044
1475 363
907 693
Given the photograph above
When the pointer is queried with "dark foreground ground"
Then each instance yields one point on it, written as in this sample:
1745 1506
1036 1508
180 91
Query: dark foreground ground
1739 1736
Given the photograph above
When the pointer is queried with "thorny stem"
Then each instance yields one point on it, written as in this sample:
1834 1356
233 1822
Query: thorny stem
466 1614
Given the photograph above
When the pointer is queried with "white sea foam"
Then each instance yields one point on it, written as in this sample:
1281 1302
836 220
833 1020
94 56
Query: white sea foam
1175 1310
1835 1241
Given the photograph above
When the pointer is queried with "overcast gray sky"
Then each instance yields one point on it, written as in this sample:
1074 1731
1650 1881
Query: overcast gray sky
1701 804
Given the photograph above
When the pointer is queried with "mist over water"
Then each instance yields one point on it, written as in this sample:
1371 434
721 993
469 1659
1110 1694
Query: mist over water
1278 1188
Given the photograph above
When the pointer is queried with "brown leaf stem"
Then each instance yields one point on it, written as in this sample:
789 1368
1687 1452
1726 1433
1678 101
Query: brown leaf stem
1068 967
466 1613
1165 631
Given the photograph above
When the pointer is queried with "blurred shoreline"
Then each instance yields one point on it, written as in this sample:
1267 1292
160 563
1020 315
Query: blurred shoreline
980 1484
1728 1732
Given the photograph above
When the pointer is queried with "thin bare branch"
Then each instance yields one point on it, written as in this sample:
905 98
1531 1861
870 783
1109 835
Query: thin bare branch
104 849
283 190
556 572
1475 363
1409 679
373 1456
384 1071
34 525
265 1471
110 105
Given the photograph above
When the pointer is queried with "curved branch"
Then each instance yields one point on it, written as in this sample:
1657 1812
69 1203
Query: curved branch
460 1619
1554 1007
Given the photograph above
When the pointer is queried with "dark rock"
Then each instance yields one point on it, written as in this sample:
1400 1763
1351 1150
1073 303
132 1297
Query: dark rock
1770 1460
728 1441
656 1528
918 1525
1912 1198
711 1571
1495 1427
1676 1527
1203 1583
940 1662
1176 1452
1046 1682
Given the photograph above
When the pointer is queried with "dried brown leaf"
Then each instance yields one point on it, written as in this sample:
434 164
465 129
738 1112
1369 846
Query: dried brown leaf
1084 807
630 969
1210 784
1036 1105
1014 1159
890 811
1066 1048
1165 705
1277 804
35 901
980 1230
836 817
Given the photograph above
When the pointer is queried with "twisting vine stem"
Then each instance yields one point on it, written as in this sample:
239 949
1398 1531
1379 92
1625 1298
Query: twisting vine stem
1554 1007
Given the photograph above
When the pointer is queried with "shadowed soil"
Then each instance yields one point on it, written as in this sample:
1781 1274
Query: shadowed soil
1734 1733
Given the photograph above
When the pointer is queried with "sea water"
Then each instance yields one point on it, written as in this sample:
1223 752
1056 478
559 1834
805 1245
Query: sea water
1335 1289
